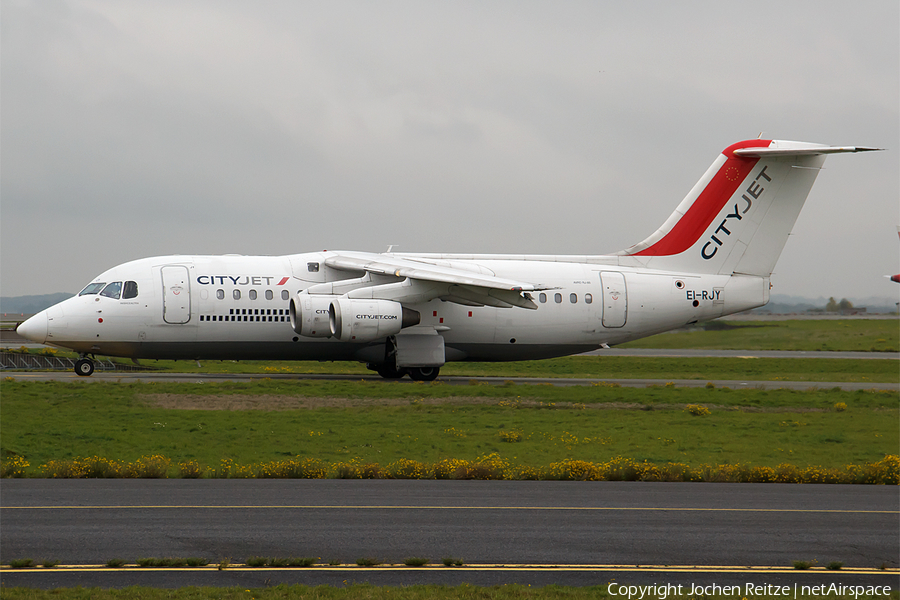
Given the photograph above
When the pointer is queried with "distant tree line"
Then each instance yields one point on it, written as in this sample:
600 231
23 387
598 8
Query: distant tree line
835 306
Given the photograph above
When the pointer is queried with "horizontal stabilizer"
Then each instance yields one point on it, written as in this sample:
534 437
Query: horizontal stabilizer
798 151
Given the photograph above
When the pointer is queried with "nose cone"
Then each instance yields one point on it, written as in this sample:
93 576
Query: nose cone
35 328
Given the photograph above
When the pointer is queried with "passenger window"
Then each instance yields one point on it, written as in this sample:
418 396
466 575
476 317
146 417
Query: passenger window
557 298
113 290
236 294
220 294
269 295
285 294
93 288
130 290
542 297
313 267
253 294
573 298
588 298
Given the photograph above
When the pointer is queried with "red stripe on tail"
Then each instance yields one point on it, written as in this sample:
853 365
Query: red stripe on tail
708 204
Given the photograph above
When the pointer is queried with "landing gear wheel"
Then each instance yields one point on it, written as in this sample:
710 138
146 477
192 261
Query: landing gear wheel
424 373
84 367
391 372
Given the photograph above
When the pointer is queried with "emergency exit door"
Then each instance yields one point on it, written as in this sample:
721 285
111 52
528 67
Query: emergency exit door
615 299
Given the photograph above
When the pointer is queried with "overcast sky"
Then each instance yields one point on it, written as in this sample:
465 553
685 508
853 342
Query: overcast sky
133 129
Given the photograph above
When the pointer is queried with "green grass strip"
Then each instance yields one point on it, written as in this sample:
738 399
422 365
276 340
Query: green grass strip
847 335
379 422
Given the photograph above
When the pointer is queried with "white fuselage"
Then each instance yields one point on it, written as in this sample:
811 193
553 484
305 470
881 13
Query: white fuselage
236 307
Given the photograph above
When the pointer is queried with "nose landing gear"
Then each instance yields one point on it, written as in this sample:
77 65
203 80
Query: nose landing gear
84 366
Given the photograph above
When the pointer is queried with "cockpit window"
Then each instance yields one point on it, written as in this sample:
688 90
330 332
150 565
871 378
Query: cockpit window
93 288
113 290
130 290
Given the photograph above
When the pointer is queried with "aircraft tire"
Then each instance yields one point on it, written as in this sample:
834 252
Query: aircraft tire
84 367
424 373
391 372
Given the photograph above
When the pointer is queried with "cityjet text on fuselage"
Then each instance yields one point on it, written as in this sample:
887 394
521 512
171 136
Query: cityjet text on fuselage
240 280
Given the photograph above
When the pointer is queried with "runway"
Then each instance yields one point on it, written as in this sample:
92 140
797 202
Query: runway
693 353
144 377
571 533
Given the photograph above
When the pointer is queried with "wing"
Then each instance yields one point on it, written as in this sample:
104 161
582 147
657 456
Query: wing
408 280
381 264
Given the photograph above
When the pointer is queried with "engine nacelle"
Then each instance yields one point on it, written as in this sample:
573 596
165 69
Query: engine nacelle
309 315
354 320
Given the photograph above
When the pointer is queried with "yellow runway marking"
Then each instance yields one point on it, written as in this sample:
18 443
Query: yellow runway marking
429 507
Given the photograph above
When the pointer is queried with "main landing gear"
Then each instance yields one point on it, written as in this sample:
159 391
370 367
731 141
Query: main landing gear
415 373
424 373
390 372
84 366
389 369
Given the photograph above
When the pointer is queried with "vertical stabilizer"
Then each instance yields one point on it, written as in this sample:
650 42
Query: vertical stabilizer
737 218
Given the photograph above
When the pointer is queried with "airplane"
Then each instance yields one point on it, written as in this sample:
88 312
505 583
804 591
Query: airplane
409 314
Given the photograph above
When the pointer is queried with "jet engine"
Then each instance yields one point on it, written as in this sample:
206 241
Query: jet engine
354 320
309 315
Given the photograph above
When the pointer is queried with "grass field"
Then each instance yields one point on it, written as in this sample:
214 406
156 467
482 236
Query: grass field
382 422
847 335
533 425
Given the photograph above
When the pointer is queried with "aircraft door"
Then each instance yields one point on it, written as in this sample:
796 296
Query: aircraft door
615 299
176 294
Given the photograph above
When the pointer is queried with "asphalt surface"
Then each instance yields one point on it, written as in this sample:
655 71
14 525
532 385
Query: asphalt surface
570 533
128 377
692 353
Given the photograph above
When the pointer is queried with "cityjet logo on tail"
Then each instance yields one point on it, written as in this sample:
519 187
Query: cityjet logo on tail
240 280
754 191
